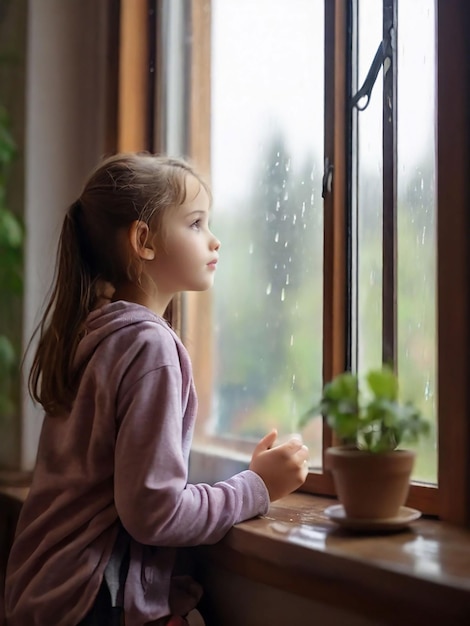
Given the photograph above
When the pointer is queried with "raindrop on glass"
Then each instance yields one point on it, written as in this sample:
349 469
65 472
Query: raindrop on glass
427 390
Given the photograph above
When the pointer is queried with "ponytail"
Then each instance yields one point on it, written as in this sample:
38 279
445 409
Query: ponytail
52 379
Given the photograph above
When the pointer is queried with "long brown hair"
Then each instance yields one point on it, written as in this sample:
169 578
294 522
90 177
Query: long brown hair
123 188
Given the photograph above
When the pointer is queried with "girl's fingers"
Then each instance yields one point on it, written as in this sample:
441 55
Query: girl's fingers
302 454
266 442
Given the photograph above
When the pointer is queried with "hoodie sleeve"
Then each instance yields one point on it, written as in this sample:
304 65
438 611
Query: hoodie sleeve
153 499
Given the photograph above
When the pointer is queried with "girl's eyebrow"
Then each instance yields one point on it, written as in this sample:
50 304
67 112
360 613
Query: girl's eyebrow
198 212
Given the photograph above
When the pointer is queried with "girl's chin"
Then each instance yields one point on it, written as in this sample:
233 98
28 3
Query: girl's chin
202 286
195 285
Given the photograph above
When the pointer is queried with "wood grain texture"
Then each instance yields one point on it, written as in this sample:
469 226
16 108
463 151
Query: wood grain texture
418 576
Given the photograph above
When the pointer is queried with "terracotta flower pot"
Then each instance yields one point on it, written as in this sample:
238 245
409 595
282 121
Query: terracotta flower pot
370 485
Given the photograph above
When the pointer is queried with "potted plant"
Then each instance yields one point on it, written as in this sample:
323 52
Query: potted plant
371 473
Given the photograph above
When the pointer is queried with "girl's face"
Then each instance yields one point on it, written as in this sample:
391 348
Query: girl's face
188 257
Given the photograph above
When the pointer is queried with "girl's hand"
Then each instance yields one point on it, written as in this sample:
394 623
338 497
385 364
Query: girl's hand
283 468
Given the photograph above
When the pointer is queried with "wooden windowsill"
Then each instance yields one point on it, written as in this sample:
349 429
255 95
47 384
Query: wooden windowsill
420 575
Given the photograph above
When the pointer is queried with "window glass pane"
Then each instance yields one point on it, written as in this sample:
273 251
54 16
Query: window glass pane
417 217
267 159
416 242
369 195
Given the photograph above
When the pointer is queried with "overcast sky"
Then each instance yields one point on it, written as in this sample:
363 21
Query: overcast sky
268 76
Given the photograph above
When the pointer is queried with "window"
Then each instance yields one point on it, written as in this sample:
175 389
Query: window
431 211
393 204
309 286
267 167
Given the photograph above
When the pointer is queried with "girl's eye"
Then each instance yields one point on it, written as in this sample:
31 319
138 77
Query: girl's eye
196 224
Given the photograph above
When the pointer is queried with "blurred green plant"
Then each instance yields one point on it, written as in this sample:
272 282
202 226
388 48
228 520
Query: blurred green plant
372 419
11 270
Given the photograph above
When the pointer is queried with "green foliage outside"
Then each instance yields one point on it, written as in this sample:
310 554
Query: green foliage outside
269 303
11 279
416 293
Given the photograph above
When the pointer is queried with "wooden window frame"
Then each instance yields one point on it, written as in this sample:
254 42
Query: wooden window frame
421 495
453 258
451 500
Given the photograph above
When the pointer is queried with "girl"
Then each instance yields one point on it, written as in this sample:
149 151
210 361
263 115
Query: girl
109 500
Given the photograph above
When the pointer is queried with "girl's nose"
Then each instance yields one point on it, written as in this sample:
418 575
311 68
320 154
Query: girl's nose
215 243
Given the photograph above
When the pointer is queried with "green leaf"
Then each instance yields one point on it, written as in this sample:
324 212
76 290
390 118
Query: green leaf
6 405
7 355
304 419
383 383
7 143
342 387
11 231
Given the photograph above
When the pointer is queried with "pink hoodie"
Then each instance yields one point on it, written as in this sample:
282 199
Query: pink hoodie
121 455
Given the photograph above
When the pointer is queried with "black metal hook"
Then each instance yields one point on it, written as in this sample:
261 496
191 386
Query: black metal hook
384 51
366 89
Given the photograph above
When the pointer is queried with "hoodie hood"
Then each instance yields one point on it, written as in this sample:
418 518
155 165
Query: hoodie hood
108 319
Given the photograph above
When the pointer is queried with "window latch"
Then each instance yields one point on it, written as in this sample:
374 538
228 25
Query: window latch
327 177
383 54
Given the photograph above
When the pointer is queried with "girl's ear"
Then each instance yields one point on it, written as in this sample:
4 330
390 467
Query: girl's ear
141 241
